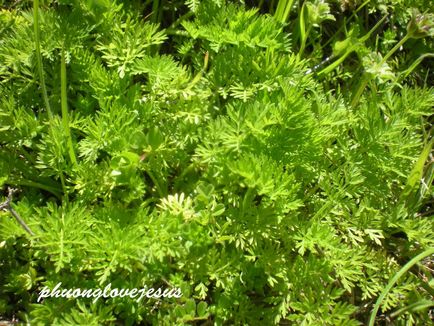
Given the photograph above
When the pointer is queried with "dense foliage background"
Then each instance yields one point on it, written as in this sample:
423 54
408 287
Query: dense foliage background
270 158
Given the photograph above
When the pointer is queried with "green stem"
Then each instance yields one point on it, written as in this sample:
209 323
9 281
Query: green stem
283 9
405 73
156 11
39 57
27 155
416 175
396 47
354 14
427 288
28 183
419 305
333 65
359 92
41 76
20 221
287 10
272 7
156 183
303 41
179 20
6 206
65 190
64 104
353 47
247 200
366 78
198 77
187 170
394 279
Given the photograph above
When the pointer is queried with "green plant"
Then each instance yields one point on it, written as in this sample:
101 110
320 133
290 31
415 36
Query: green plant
208 146
419 26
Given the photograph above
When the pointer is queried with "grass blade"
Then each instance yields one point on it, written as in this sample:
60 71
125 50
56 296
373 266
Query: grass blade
417 173
394 279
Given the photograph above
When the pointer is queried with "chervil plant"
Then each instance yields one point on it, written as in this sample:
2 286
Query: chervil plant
272 159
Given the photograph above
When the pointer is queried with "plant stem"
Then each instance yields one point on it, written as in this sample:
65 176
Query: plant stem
64 189
360 89
179 20
246 201
272 7
39 57
353 47
303 41
156 11
396 47
421 304
283 9
199 75
7 207
26 155
366 78
64 104
156 184
415 64
20 221
28 183
354 14
41 75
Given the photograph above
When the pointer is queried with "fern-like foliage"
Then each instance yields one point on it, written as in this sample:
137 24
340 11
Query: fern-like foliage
212 159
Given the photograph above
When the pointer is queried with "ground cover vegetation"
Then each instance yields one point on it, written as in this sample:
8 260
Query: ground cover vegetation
272 159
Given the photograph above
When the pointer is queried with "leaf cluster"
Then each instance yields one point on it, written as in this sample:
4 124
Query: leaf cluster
208 158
